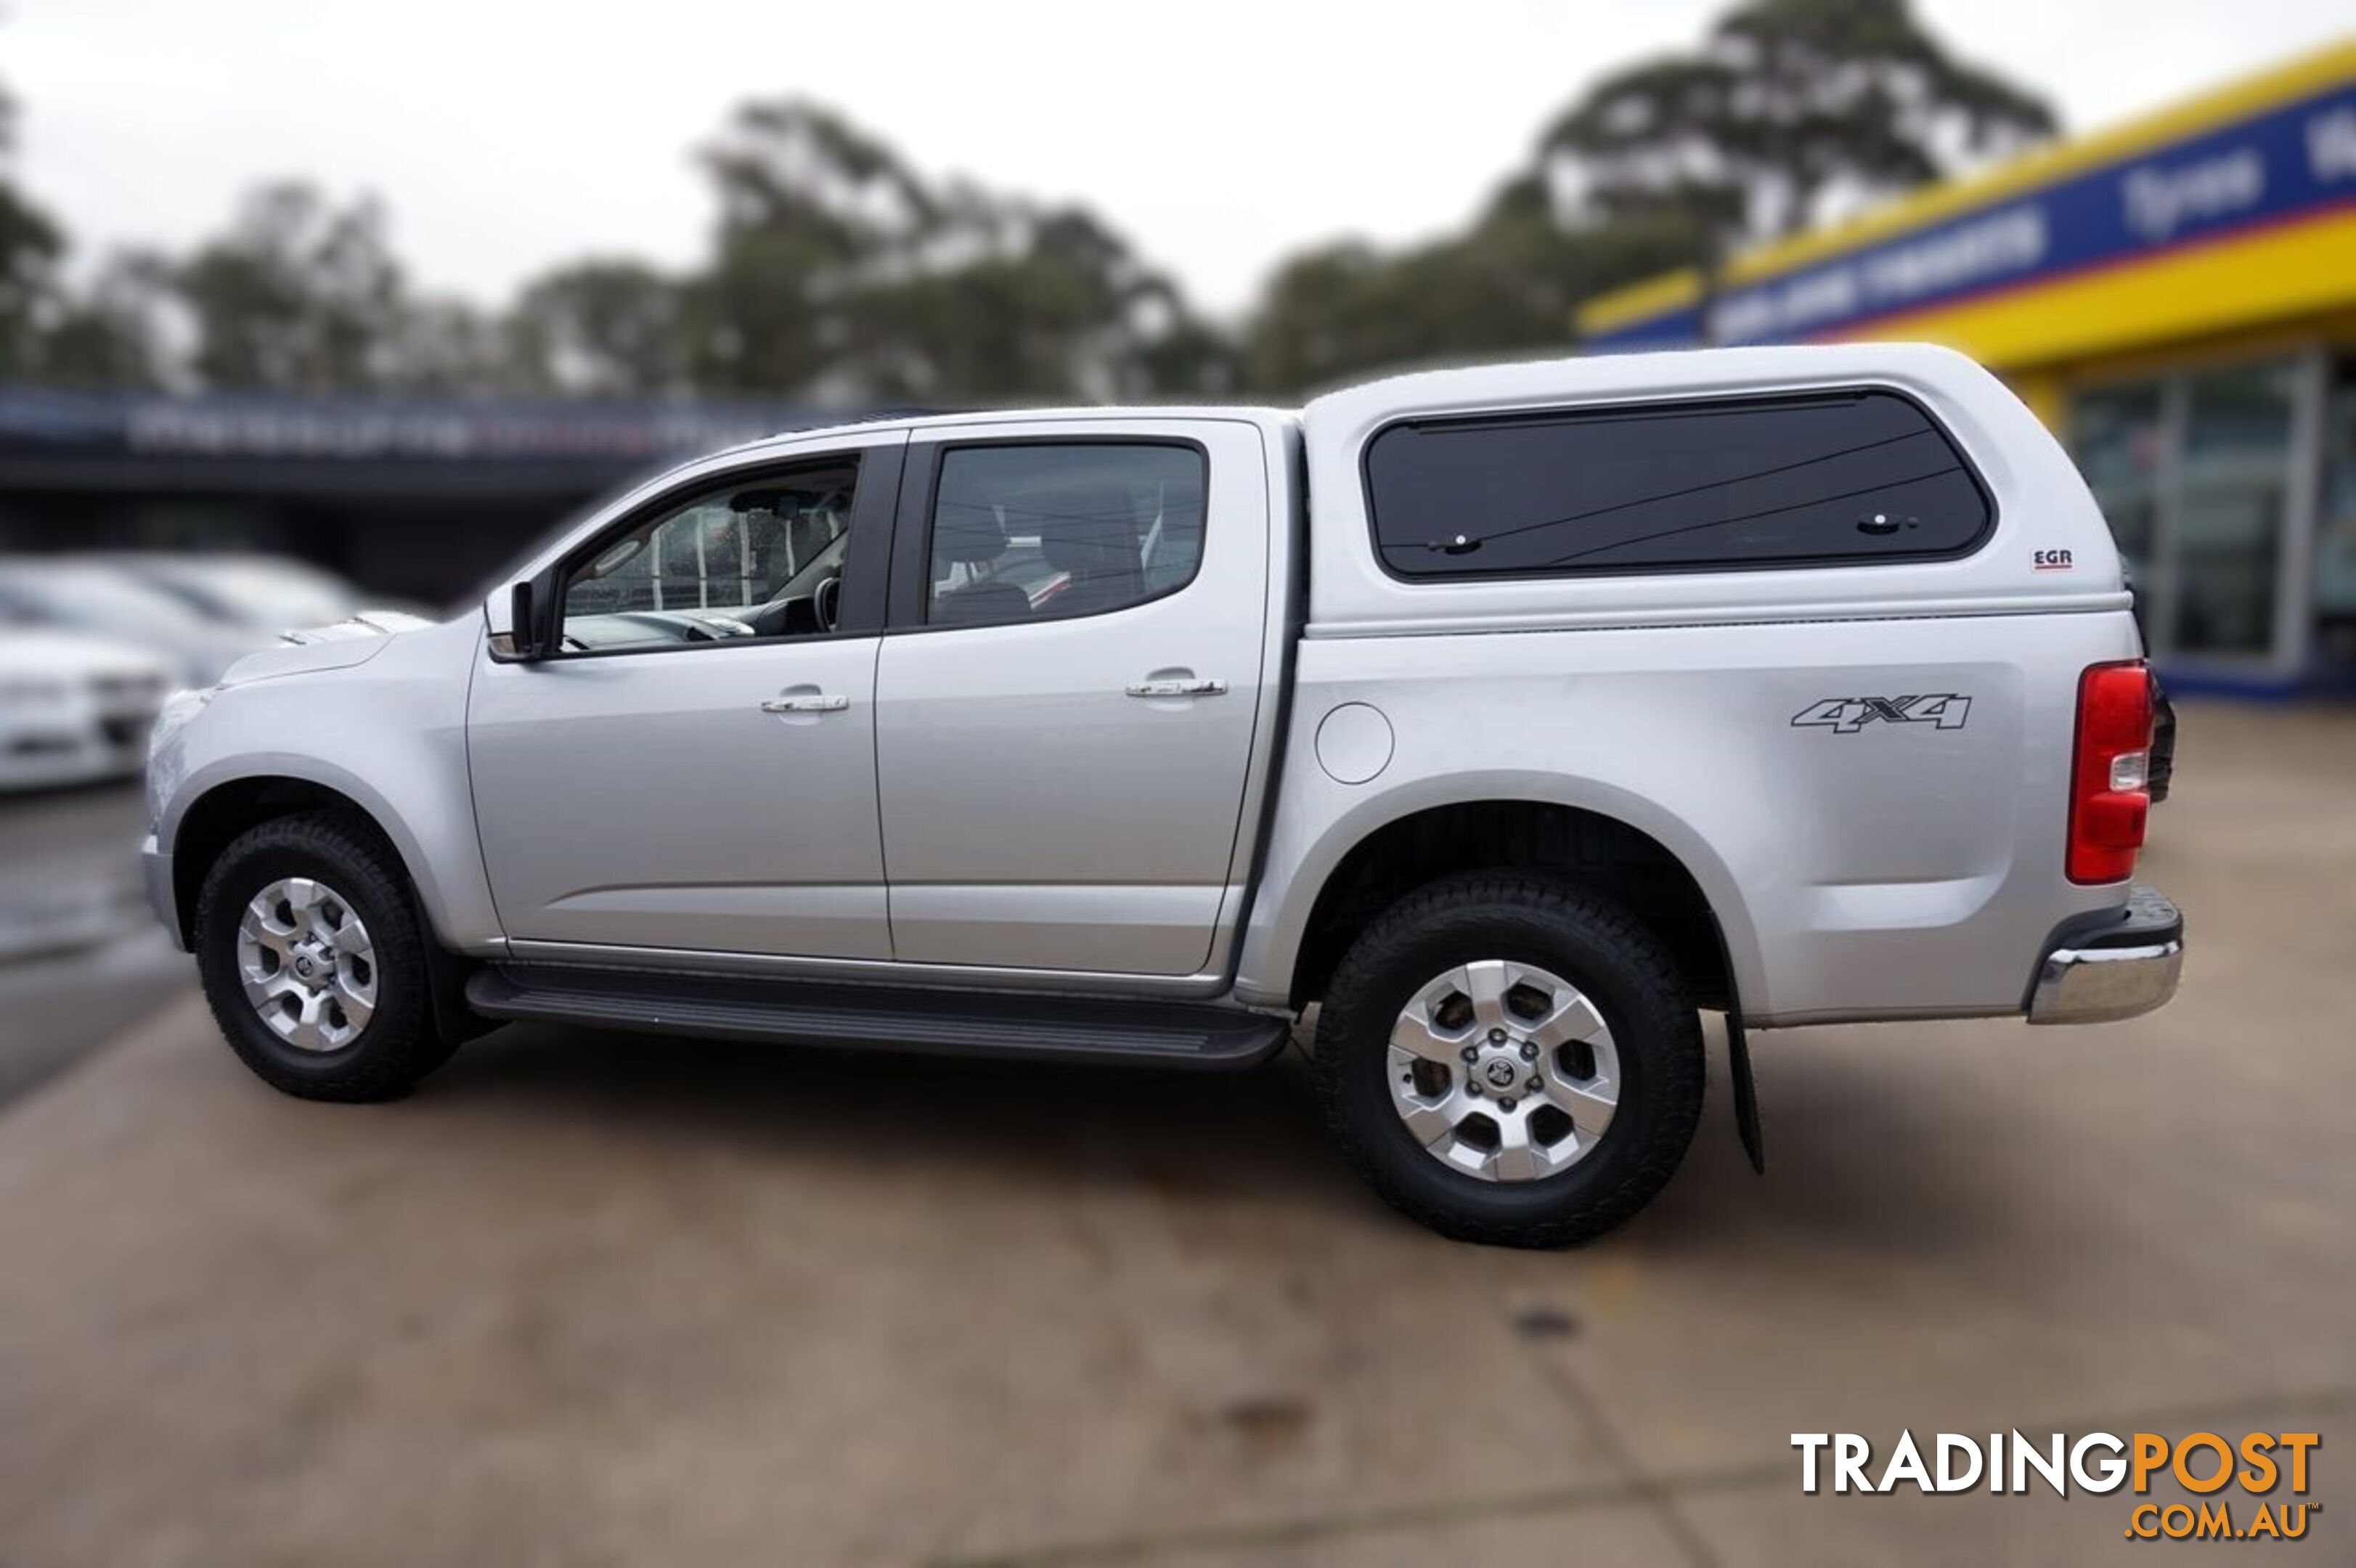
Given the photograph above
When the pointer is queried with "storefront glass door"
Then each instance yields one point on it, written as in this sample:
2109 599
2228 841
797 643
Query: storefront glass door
2120 439
2333 654
2233 481
2194 473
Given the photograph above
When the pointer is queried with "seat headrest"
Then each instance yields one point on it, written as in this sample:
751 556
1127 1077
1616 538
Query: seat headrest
967 536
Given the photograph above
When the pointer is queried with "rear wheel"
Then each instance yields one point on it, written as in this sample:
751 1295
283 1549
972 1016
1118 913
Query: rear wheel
313 960
1511 1059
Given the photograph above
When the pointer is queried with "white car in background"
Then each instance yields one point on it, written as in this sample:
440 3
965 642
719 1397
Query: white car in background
74 709
267 593
77 593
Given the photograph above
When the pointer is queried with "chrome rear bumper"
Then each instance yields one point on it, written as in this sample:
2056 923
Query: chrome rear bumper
2114 964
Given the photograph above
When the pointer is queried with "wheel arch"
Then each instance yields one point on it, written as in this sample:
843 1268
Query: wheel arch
219 808
1630 846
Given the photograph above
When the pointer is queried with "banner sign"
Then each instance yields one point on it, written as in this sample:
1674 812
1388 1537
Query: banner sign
2289 163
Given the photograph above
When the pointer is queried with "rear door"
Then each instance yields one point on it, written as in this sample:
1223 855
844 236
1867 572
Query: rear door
1066 696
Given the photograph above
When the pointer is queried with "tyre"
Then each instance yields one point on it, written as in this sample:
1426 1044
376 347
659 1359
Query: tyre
1511 1059
313 959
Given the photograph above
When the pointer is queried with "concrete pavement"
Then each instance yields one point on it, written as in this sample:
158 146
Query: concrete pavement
81 956
70 868
617 1299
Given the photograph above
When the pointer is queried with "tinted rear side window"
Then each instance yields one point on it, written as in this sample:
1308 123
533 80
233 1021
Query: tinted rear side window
1853 478
1037 532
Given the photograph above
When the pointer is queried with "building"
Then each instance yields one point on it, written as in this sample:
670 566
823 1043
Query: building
419 498
2177 298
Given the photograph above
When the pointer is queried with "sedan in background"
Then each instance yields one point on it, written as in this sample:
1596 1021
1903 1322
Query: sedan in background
81 594
267 593
74 709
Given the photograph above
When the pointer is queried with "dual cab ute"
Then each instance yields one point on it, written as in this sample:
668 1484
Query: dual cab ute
1513 714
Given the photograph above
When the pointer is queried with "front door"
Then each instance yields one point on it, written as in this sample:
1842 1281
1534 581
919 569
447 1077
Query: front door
1066 701
695 770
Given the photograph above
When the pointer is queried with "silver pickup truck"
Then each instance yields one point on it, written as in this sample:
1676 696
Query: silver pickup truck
1509 717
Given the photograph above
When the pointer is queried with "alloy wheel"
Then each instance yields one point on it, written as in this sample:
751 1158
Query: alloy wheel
1504 1071
307 964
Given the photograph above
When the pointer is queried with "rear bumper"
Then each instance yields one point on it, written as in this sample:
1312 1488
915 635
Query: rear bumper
2112 963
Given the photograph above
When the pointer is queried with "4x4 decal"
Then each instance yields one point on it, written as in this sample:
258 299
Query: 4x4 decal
1848 715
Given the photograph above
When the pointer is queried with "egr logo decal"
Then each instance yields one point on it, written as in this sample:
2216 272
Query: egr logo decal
1848 715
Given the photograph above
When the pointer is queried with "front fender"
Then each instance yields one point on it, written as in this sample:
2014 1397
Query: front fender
457 908
388 734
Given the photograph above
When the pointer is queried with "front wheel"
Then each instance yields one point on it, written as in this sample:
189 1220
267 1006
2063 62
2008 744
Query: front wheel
313 961
1511 1059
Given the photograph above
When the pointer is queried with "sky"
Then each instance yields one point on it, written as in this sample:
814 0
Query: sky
509 135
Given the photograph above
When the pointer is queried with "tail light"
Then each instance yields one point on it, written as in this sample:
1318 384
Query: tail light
2109 780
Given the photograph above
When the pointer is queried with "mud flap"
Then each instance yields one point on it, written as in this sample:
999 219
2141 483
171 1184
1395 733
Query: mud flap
1738 1060
1746 1092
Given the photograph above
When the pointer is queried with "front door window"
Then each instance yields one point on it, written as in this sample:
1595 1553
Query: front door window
750 558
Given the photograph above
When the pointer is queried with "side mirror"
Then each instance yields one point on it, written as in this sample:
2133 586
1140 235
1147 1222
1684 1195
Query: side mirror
532 617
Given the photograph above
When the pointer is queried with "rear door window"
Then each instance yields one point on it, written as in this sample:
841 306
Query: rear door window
1039 531
1850 479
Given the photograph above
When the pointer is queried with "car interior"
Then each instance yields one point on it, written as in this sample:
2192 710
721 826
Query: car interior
1053 531
1019 533
760 561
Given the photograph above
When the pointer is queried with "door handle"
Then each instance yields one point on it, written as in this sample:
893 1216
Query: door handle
1177 688
813 704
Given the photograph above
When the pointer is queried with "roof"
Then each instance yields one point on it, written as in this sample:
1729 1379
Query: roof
967 418
1595 376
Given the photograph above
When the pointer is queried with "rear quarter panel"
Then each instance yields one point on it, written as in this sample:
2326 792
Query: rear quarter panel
1898 870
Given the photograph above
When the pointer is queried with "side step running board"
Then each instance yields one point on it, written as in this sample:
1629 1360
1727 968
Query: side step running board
960 1023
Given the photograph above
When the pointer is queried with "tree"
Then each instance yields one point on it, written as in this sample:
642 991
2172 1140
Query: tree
104 335
839 273
1791 110
1791 113
30 246
446 346
810 210
299 295
109 335
1507 284
1029 304
602 327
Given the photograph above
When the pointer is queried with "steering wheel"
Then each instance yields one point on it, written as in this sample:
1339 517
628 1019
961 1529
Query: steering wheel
826 601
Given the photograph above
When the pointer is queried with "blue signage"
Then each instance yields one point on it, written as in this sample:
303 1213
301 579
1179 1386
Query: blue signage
2286 164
